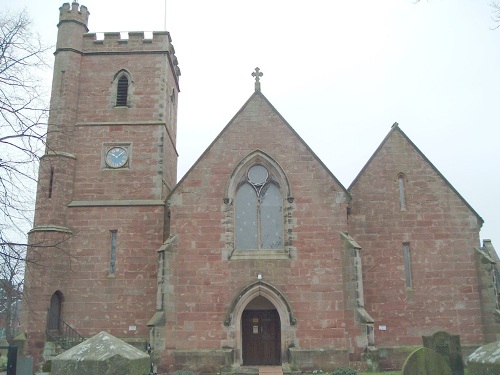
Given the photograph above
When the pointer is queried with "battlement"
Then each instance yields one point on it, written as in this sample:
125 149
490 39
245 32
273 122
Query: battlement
75 12
126 41
130 42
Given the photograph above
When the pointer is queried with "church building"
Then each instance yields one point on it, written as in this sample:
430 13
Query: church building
258 255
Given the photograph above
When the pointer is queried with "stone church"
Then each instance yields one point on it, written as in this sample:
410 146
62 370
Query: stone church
258 255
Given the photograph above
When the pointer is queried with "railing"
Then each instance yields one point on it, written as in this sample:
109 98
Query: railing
66 336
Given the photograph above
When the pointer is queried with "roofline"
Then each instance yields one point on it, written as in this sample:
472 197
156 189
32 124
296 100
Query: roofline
395 127
257 93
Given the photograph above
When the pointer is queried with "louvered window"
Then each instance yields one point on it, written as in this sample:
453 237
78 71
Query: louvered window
122 91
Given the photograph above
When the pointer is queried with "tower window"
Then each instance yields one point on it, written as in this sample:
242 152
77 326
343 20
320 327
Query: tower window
259 216
122 91
51 181
112 260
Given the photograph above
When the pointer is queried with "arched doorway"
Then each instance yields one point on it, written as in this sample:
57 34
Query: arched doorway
54 318
261 333
260 296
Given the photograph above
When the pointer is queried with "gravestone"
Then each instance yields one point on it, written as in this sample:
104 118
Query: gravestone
449 347
24 364
102 354
485 360
425 361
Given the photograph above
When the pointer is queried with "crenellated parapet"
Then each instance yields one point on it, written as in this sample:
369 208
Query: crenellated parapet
74 13
130 43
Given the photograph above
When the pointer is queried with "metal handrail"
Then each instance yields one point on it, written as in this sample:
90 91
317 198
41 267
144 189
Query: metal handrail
66 335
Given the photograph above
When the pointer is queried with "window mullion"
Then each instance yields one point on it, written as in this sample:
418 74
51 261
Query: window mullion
259 241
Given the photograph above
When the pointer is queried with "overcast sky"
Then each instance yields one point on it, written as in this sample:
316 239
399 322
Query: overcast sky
340 72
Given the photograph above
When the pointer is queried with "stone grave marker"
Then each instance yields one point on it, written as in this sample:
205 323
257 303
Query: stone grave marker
485 360
425 361
102 354
24 364
449 347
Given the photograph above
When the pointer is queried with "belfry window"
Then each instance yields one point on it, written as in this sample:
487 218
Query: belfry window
122 91
258 211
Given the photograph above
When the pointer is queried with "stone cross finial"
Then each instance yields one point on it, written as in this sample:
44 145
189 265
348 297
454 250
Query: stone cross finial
257 74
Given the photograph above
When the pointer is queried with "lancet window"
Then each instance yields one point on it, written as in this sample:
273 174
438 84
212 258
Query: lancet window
402 192
122 91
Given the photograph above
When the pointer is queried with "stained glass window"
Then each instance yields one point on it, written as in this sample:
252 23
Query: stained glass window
259 216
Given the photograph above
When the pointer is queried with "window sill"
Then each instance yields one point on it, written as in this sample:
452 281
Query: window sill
259 254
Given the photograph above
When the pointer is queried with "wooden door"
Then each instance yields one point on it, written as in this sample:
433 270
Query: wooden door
54 323
261 337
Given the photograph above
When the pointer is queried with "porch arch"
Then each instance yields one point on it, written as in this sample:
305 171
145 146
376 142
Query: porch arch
240 302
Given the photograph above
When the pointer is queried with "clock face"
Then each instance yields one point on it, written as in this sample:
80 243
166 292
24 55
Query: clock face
116 157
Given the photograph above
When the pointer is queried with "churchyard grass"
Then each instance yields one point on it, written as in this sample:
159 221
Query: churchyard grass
388 373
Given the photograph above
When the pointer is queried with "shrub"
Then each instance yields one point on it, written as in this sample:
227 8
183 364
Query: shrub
3 363
344 371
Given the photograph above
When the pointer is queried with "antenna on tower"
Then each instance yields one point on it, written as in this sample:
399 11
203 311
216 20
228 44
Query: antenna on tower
165 19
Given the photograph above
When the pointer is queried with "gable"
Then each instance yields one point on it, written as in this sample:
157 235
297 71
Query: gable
259 126
385 148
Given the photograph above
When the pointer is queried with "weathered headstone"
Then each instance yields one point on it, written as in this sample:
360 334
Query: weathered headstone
485 360
24 364
20 342
449 347
102 354
425 361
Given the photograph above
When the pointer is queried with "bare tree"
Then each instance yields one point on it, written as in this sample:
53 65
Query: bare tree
23 114
11 290
496 13
495 5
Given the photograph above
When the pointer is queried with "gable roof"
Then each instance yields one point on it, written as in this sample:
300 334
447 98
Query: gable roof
395 128
257 94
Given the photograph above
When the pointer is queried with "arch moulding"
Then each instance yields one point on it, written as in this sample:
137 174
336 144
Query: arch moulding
280 302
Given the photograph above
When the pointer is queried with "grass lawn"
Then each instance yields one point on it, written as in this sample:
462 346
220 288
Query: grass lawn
387 373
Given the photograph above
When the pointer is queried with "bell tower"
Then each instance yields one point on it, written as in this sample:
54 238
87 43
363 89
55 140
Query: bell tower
109 163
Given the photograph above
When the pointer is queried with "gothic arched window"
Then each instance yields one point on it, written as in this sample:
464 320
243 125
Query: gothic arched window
258 211
122 91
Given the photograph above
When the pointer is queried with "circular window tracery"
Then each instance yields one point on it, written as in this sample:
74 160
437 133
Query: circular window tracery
257 175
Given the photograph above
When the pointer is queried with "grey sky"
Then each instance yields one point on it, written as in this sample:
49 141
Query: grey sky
340 72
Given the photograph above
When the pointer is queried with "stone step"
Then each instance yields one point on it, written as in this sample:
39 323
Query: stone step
271 370
243 370
256 370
